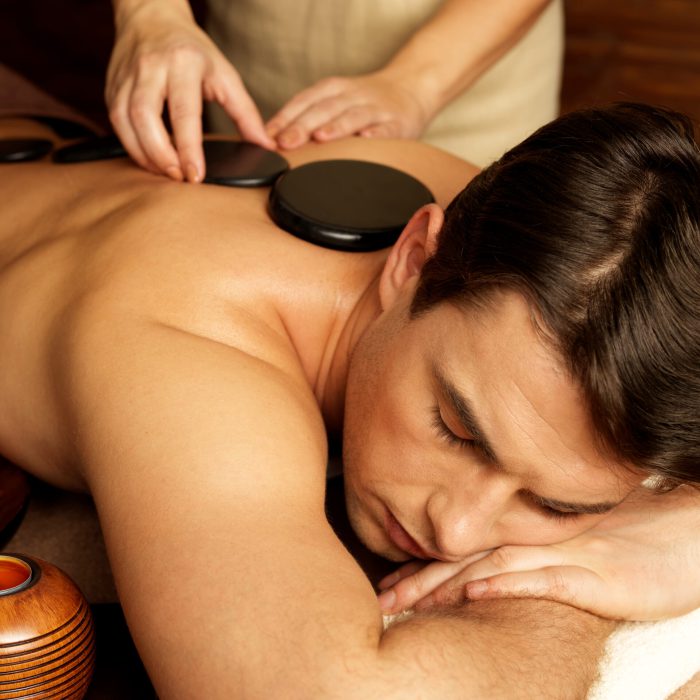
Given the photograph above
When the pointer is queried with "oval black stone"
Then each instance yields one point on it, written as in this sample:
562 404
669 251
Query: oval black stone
21 150
241 164
95 148
349 205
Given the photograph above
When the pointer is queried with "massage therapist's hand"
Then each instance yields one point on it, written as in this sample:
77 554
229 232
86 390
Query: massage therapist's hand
160 55
373 105
640 562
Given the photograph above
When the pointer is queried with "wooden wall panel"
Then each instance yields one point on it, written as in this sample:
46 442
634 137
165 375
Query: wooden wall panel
639 50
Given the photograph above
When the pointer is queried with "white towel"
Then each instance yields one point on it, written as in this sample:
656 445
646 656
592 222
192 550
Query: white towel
649 660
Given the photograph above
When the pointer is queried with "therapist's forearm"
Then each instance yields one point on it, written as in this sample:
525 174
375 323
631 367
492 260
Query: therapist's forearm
454 48
125 9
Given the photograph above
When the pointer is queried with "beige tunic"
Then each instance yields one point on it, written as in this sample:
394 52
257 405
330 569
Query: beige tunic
283 46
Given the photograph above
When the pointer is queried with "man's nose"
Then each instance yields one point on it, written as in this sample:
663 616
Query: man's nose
466 522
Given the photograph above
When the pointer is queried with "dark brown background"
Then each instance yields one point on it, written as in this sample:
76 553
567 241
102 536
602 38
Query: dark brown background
643 50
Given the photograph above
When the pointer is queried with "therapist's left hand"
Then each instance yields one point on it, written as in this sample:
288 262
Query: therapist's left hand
372 105
641 562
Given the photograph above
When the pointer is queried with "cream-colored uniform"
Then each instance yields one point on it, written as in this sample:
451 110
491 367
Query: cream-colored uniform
282 46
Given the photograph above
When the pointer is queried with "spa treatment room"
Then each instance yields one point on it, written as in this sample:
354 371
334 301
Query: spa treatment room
352 349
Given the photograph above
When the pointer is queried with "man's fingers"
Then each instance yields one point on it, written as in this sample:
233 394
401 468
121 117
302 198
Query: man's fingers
406 570
510 559
443 583
572 585
410 589
416 580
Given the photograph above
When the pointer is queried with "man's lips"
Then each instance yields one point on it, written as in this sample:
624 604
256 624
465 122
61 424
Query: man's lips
402 539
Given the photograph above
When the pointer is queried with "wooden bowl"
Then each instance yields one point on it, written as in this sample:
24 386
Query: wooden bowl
47 638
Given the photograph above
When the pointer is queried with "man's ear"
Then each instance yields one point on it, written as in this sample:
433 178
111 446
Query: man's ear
414 246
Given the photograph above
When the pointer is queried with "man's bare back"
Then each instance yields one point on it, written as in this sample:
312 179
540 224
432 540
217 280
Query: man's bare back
206 260
181 358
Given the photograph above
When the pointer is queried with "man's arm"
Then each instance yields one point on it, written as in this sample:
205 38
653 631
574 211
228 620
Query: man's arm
689 691
207 465
515 649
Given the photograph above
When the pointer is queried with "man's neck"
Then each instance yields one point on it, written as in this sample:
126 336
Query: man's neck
348 327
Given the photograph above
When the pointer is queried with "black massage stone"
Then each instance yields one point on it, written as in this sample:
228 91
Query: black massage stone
20 150
348 205
95 148
242 164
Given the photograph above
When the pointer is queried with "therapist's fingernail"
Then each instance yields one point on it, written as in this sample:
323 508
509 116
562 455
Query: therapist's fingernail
325 132
476 589
192 173
290 138
174 173
387 600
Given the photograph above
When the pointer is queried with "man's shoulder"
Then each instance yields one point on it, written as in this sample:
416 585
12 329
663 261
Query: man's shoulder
444 174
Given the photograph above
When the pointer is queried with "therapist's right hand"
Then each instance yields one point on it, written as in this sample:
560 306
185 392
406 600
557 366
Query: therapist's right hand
160 55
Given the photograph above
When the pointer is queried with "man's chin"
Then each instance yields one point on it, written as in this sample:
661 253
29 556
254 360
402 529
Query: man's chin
381 550
372 537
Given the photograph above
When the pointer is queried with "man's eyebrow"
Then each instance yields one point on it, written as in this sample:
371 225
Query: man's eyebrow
465 414
579 508
463 410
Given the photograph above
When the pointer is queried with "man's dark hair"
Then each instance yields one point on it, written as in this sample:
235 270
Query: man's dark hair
595 219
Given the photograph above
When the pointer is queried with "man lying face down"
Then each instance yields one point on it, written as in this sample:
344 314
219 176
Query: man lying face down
562 308
505 377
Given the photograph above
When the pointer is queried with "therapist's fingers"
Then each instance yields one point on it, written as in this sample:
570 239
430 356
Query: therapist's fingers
136 115
185 111
351 121
146 117
327 119
385 130
302 101
368 105
118 95
119 118
224 85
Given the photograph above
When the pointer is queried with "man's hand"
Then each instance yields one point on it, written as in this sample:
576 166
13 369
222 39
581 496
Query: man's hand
372 105
641 562
160 55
